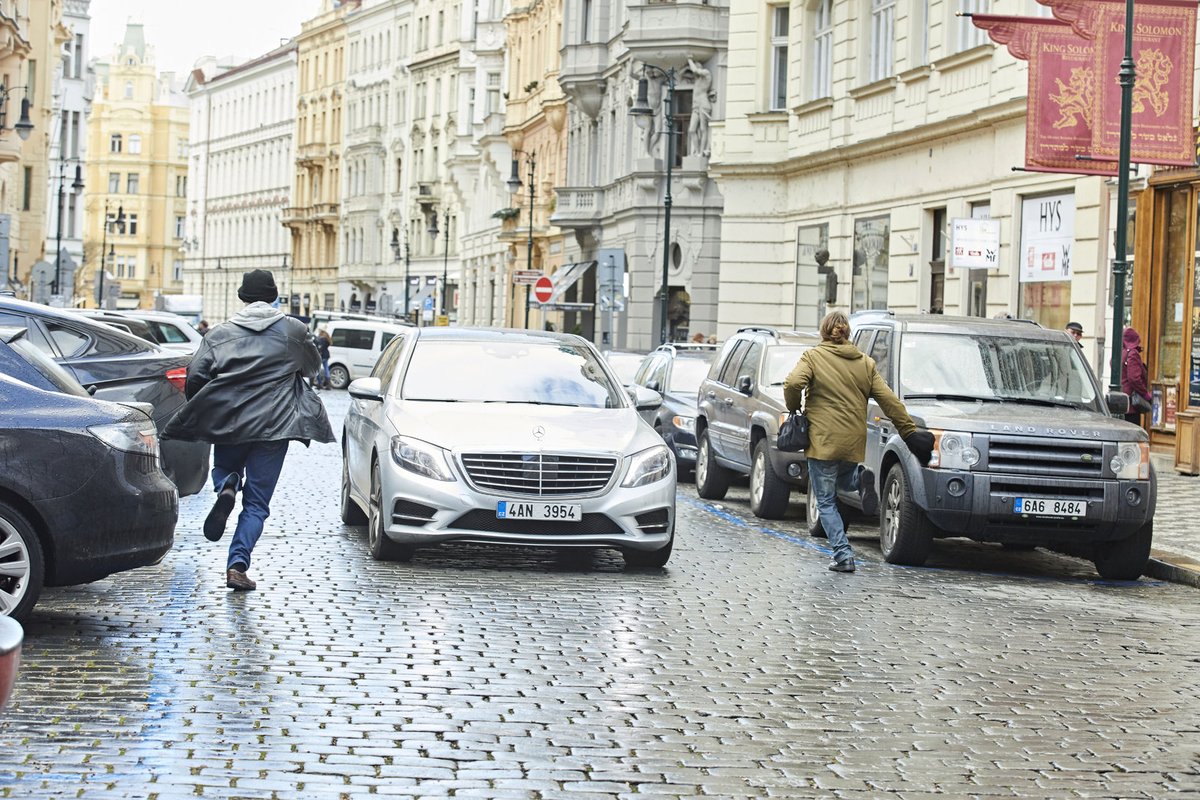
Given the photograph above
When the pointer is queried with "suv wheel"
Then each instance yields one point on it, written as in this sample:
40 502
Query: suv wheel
339 376
712 480
905 532
768 494
1124 560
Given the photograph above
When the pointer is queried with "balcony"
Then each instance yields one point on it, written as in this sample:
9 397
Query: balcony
578 207
296 215
582 75
427 194
311 153
667 32
326 213
367 134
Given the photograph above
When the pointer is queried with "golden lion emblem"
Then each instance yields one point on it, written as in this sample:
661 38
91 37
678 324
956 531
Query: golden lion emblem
1153 72
1075 99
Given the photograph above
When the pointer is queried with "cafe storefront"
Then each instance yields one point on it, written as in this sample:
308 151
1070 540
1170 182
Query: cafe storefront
1165 307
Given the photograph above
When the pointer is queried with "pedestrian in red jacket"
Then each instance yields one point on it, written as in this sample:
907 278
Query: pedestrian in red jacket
1134 378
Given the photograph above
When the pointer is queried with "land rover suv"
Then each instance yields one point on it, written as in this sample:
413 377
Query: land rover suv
740 404
1029 449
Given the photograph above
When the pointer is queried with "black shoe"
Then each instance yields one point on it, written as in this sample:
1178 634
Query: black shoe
868 498
842 566
214 523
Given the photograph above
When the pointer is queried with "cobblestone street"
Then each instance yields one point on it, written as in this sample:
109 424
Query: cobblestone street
744 669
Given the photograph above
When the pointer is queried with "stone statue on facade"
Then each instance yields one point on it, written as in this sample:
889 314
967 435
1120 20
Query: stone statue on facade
654 98
703 98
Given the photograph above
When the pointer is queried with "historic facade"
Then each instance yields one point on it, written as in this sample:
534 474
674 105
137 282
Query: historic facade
616 196
136 176
239 181
315 211
72 93
14 54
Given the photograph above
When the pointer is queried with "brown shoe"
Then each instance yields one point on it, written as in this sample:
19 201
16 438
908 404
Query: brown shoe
236 579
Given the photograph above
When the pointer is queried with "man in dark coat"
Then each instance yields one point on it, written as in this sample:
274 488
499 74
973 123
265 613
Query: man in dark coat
246 395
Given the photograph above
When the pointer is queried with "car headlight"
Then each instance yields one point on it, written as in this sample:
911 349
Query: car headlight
953 450
685 424
1132 461
131 437
648 466
422 458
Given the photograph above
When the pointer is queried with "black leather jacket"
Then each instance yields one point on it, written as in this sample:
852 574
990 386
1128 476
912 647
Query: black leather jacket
245 383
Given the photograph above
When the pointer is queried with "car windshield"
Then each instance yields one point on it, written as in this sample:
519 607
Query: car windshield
498 371
965 366
780 361
48 367
688 374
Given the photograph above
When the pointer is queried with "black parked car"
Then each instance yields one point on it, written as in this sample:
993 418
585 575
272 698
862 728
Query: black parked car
66 458
116 366
676 372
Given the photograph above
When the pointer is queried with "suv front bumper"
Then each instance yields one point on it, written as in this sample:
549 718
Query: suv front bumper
980 506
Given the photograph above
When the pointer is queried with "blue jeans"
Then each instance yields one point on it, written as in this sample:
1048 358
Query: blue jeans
256 466
826 478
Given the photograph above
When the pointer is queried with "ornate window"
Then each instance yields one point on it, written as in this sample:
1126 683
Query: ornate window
779 57
883 39
821 18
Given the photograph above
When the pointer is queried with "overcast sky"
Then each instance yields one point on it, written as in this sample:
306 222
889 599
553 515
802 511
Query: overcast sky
182 32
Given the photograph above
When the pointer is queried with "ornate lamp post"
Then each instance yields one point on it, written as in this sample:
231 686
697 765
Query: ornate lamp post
77 185
514 186
1121 263
396 248
107 253
644 114
433 231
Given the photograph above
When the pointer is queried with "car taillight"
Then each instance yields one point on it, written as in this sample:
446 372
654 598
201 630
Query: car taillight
178 377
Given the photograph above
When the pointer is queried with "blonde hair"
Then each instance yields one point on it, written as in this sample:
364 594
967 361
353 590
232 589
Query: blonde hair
835 327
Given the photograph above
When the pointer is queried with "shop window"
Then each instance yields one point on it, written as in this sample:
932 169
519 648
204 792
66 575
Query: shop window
977 279
1047 243
937 265
871 247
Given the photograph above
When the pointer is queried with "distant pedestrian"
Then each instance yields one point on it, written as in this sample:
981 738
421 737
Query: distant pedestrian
1076 331
712 339
699 338
323 341
202 328
833 381
1134 376
246 395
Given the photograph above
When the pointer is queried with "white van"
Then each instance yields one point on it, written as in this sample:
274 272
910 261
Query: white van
355 347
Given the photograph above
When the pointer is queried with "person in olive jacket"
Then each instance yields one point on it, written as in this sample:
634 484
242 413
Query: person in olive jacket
832 382
246 395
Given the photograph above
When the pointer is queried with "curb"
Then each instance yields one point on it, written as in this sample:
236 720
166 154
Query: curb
1174 568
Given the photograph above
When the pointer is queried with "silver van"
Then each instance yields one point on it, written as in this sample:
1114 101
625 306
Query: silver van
355 347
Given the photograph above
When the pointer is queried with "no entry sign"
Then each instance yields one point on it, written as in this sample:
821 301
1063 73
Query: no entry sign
543 289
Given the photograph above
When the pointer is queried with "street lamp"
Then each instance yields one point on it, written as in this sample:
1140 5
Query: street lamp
1120 266
514 186
106 252
396 255
77 185
643 114
433 231
24 126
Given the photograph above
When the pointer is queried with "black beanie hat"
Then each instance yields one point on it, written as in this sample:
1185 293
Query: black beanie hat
258 285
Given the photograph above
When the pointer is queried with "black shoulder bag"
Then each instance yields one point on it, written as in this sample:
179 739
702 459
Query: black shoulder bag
793 433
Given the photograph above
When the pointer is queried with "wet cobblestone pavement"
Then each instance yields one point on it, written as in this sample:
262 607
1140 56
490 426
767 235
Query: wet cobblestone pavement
744 669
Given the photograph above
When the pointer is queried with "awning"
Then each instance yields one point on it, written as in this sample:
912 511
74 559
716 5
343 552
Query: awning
566 277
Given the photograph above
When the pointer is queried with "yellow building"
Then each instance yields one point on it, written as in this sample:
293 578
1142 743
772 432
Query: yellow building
534 120
14 51
313 215
137 164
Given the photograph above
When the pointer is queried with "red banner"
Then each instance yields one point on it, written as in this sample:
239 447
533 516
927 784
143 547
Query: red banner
1062 94
1164 49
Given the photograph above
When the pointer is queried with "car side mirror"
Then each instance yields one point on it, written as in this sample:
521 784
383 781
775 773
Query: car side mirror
366 389
653 385
91 390
746 385
645 398
1118 403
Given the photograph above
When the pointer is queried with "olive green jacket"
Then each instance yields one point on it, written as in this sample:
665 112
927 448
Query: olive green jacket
839 379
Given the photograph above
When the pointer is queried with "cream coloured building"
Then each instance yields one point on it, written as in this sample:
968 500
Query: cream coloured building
15 48
864 128
239 181
315 211
137 164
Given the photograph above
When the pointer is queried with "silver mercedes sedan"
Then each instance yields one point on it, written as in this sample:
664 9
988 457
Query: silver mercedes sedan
504 436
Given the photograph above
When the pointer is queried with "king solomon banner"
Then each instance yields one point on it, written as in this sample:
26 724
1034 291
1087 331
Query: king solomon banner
1074 95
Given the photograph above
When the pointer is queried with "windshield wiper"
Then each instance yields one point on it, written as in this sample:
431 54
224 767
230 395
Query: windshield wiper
947 396
531 403
1041 401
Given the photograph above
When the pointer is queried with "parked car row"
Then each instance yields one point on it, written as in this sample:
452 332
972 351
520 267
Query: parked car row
67 454
163 328
1029 450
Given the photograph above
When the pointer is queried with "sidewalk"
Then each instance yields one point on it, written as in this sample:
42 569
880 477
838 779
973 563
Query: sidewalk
1176 552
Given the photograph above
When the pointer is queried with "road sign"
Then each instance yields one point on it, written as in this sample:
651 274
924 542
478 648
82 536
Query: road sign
543 289
526 276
